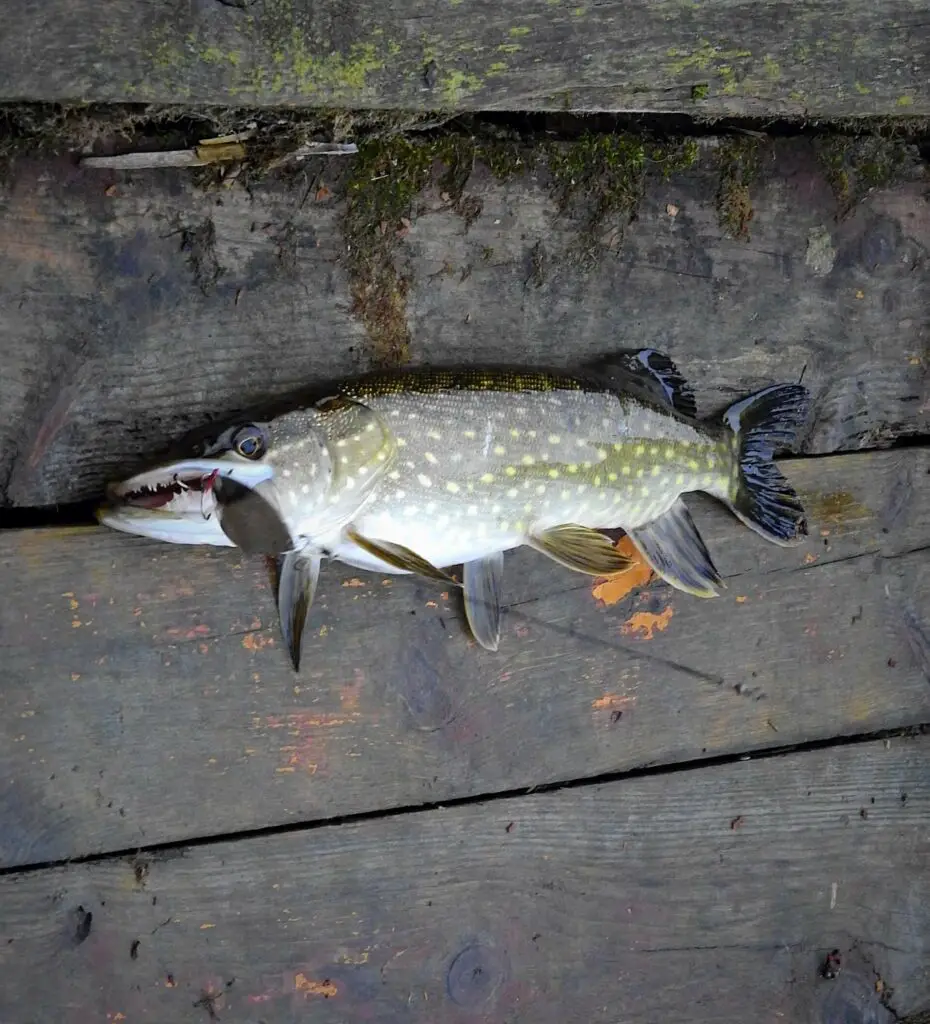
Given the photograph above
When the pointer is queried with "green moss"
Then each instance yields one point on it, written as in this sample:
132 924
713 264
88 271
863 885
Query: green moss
519 30
700 91
600 180
705 57
739 160
457 84
772 68
905 101
381 191
855 165
509 48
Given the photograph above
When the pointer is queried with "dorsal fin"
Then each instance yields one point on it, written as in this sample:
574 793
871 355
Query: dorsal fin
651 370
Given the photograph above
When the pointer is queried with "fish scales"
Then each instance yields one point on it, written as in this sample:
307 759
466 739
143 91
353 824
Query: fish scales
478 466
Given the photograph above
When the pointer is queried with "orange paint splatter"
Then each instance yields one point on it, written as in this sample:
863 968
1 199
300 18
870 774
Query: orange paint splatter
742 599
809 558
354 582
190 634
612 702
610 589
326 988
257 641
644 624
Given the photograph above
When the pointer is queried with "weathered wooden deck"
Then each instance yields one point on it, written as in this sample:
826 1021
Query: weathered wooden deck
645 807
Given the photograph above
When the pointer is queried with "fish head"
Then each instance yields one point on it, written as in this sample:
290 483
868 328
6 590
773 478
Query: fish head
253 485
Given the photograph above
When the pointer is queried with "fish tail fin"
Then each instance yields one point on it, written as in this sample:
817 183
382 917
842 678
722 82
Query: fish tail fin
759 494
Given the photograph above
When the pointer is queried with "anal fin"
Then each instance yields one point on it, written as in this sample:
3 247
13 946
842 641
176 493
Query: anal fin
673 547
482 581
580 548
400 557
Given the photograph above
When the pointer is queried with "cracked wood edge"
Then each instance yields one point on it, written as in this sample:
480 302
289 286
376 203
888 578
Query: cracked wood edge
714 895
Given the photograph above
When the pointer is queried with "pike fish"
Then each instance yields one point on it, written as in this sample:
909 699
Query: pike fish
423 470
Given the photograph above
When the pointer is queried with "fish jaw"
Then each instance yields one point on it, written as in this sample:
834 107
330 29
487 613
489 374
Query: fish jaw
168 503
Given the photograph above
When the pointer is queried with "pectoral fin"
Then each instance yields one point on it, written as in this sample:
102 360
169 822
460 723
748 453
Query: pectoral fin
483 583
298 573
400 557
581 549
673 547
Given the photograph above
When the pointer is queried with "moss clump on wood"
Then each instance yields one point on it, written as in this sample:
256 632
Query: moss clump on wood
381 190
856 165
740 160
602 178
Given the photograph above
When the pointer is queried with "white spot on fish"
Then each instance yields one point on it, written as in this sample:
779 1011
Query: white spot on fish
540 488
670 453
350 484
554 474
424 480
430 458
487 478
341 443
344 459
601 454
644 491
285 472
434 435
470 434
511 471
554 439
680 479
452 487
472 510
639 473
394 475
528 460
512 492
531 433
499 449
400 495
625 470
640 449
656 470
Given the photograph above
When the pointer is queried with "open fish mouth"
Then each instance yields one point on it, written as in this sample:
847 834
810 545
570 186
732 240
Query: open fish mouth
175 502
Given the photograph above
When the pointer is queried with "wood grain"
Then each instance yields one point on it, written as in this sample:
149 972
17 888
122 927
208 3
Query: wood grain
134 306
816 59
147 698
711 896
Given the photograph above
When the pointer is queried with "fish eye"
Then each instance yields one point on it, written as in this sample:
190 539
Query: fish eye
249 442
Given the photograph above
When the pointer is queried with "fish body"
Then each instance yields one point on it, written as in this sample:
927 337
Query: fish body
480 467
424 470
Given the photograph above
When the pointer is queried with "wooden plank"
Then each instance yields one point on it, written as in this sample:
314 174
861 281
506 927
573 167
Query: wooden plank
711 895
813 59
147 699
137 305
